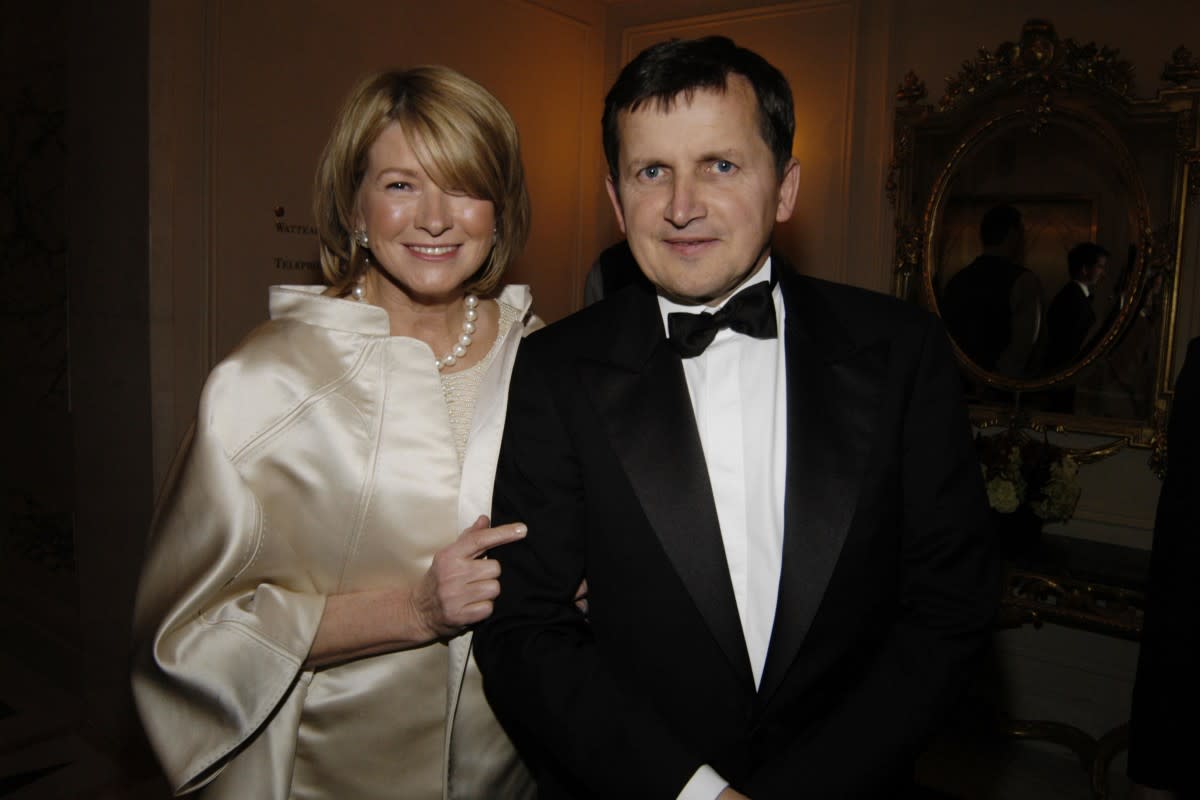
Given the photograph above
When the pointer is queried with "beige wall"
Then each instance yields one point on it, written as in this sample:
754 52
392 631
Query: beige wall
242 101
271 113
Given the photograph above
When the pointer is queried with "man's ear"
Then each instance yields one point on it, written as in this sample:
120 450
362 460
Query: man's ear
615 199
787 191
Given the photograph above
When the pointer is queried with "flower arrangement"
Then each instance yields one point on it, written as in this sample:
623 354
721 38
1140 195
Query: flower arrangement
1019 470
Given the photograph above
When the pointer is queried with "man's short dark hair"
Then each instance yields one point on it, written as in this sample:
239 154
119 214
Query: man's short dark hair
1084 255
662 72
997 223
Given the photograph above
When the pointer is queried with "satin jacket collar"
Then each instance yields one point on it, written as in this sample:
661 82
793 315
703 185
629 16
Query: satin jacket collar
310 304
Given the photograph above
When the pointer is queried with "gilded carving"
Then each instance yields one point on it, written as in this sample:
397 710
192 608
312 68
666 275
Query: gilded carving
1182 70
912 89
1158 441
908 249
1040 63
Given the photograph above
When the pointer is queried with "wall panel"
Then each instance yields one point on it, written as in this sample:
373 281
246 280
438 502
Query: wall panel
279 78
243 97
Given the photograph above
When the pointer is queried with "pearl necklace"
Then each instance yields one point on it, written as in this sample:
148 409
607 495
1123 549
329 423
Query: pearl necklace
464 339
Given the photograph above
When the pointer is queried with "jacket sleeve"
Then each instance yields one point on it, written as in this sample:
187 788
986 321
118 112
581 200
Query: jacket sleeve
572 722
224 617
948 595
1167 663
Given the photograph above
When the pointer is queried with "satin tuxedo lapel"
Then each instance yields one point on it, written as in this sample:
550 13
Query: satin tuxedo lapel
641 396
833 391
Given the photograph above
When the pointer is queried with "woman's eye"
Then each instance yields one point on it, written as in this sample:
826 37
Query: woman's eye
400 186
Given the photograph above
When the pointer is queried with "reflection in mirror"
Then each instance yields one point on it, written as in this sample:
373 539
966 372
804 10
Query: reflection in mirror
1046 131
1015 209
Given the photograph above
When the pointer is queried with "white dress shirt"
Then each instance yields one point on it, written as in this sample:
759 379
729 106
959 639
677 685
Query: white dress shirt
738 388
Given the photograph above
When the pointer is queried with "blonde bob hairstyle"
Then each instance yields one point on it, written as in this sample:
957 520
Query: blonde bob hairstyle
463 137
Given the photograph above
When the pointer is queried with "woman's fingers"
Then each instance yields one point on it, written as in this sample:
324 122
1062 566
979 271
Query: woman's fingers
463 594
473 604
463 583
474 541
477 612
482 569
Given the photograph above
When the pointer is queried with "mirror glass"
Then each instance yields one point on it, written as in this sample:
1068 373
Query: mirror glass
1016 207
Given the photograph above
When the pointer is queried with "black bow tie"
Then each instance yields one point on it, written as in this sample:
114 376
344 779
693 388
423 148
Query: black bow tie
751 311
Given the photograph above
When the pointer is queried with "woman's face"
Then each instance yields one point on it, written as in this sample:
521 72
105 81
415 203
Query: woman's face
428 240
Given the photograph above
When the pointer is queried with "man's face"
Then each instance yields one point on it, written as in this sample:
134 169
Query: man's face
1092 275
697 193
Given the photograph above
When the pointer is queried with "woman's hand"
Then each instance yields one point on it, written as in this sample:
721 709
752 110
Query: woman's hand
457 591
461 584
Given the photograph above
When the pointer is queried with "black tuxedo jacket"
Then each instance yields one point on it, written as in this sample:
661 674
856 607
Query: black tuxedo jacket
887 588
1068 321
1166 690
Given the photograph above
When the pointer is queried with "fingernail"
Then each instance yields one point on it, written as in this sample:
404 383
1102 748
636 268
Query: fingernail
521 529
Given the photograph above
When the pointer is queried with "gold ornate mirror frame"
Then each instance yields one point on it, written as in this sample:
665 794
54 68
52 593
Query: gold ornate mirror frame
1040 83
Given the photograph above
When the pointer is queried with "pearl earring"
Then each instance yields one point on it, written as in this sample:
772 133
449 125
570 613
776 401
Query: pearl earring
360 236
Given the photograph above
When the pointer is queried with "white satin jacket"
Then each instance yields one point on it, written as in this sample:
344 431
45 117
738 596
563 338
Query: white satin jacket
322 461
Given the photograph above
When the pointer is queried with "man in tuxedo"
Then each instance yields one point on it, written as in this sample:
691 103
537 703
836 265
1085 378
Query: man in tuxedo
777 508
1071 315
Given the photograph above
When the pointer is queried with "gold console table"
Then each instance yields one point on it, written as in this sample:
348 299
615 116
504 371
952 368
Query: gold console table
1088 586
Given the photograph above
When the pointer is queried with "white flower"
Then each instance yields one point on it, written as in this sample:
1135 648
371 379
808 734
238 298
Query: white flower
1002 495
1061 493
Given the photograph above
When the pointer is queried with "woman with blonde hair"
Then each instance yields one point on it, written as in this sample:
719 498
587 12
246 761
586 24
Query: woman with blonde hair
319 541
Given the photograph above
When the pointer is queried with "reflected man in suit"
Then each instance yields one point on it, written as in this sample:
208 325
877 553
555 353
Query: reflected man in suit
1071 315
993 306
767 481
